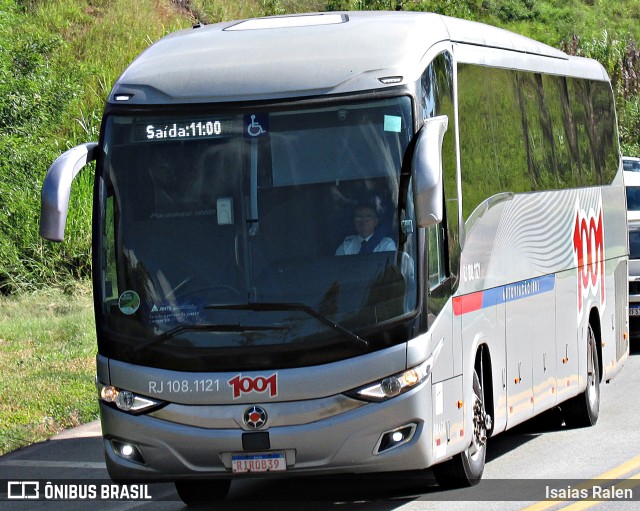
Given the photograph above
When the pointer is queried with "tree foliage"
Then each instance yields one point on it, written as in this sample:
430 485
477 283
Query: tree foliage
59 58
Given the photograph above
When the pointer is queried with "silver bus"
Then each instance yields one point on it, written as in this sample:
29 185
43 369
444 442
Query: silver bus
348 242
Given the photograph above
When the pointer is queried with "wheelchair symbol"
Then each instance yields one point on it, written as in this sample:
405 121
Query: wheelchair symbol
255 129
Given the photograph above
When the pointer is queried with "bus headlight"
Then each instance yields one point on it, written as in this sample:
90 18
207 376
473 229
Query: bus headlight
126 400
398 384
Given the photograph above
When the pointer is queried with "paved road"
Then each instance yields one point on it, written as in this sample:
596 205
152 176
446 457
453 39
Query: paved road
521 463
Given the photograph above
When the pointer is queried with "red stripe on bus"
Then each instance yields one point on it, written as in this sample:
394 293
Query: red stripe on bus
467 303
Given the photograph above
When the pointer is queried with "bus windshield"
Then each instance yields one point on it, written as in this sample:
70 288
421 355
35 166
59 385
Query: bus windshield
267 238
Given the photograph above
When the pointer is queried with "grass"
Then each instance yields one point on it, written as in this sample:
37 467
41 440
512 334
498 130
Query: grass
58 61
47 355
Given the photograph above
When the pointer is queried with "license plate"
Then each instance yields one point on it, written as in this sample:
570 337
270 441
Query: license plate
264 462
634 311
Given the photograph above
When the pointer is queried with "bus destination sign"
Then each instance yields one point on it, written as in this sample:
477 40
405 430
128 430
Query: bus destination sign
183 130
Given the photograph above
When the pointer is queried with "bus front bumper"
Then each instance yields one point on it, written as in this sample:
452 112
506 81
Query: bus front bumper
356 441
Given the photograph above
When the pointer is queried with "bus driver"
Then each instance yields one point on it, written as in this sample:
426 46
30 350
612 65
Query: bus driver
367 239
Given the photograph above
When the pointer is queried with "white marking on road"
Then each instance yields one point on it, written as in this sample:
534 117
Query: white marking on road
54 464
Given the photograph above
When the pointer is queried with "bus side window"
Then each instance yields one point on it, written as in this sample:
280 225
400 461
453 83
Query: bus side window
435 258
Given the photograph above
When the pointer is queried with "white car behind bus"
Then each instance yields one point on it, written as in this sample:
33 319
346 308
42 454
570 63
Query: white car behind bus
632 183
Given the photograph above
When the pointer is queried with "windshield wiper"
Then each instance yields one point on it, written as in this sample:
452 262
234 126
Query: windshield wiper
256 306
204 328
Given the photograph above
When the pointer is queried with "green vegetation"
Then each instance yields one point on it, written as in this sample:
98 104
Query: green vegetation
47 355
58 60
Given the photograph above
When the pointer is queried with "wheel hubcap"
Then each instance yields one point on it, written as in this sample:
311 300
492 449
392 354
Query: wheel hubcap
481 422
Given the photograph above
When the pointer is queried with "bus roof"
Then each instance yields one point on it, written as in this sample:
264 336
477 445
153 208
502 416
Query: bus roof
301 55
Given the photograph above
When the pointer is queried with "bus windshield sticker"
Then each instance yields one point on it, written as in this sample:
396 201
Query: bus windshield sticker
129 302
175 313
256 125
393 123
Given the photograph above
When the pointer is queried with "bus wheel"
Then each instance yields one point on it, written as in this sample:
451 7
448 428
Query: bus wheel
195 493
465 468
583 410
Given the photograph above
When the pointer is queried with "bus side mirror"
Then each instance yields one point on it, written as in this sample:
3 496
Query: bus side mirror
426 167
56 189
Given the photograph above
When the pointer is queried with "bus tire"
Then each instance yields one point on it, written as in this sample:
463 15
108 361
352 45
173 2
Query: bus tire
198 492
583 410
466 468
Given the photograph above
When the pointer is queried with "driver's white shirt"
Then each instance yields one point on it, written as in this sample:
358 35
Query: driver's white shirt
351 245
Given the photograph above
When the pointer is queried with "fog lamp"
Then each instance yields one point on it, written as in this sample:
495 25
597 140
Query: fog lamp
127 451
395 438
